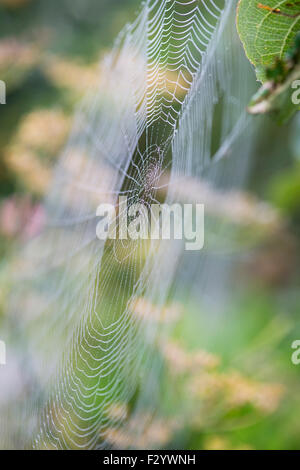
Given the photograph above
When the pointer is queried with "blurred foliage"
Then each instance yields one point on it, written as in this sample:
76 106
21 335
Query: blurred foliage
49 53
271 39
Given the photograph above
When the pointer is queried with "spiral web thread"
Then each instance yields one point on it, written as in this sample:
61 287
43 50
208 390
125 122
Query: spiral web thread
85 349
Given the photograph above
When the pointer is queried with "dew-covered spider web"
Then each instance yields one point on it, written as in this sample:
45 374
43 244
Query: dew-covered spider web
167 123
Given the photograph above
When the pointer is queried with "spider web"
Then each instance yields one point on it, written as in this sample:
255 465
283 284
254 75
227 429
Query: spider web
148 128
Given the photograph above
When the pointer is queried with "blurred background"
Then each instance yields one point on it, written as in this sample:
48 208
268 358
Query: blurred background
236 373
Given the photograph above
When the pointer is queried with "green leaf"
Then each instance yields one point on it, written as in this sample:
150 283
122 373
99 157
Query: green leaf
266 32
